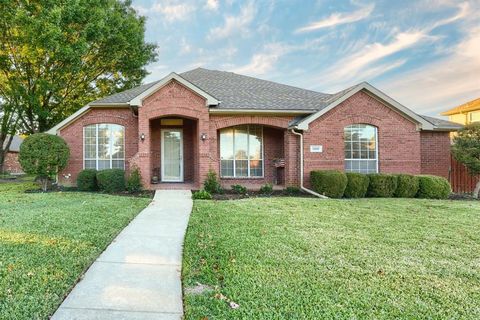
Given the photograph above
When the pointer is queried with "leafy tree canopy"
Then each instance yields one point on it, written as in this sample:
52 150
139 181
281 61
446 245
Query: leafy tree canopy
58 55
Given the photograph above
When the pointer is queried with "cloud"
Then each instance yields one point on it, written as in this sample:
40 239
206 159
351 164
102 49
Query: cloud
212 5
172 11
264 62
339 18
444 83
234 24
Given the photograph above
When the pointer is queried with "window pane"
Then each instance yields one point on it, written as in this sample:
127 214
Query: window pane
118 164
256 168
241 143
226 168
103 164
241 168
226 144
255 143
90 164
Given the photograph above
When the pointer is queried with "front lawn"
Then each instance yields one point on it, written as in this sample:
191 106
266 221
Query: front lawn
294 258
48 240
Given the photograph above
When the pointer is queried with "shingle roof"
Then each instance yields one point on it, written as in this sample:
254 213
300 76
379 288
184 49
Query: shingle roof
441 124
125 96
468 106
242 92
15 145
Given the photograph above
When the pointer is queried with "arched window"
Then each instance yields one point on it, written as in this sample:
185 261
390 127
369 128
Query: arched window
241 151
104 146
361 148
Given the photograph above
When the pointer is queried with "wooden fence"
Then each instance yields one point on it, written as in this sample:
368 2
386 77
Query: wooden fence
460 179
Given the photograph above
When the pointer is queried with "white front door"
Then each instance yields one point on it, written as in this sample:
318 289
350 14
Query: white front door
172 155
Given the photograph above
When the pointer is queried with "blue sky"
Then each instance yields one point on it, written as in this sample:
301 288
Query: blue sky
424 53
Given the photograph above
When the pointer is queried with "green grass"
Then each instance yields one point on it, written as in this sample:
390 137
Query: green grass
48 240
294 258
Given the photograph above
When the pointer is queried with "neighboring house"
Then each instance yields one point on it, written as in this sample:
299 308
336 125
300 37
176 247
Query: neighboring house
465 113
11 164
250 131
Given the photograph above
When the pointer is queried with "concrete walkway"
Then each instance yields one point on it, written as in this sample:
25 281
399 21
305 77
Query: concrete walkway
138 275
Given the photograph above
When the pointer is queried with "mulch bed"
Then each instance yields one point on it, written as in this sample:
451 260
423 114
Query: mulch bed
231 195
141 194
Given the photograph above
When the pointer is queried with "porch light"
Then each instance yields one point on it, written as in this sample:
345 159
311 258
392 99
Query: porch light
142 137
203 136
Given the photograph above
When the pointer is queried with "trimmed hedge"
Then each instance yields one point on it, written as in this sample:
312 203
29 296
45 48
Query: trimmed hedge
407 186
111 180
134 181
357 185
87 180
381 185
433 187
331 183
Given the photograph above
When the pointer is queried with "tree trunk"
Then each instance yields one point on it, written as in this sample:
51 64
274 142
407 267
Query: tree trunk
477 190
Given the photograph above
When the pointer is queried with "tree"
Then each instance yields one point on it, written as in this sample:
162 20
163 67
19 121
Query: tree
58 55
466 150
8 124
43 155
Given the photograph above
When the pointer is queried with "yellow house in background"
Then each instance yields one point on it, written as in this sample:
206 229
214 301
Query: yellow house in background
466 113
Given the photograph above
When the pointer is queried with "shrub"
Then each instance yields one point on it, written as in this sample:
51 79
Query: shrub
111 180
382 185
433 187
407 186
239 189
211 184
202 195
43 155
357 185
134 181
292 191
87 180
331 183
266 189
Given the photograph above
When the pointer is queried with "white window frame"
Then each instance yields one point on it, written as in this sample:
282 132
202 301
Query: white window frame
96 145
470 116
376 148
248 153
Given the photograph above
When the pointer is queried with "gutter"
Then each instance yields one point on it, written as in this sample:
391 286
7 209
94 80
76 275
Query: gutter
301 168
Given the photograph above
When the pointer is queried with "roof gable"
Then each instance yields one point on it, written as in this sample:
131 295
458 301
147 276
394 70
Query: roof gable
345 94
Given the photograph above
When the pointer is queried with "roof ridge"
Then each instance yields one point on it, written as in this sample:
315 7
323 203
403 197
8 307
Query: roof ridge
258 79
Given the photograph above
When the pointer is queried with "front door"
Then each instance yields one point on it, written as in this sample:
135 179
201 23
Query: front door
172 155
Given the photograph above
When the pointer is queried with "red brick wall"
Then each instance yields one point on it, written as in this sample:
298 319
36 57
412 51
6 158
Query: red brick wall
398 137
73 135
11 164
435 150
174 100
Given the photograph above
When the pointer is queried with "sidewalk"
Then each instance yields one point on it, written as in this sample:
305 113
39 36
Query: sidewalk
138 275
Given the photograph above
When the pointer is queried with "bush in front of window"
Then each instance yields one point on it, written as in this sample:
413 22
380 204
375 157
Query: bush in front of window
407 186
43 155
87 180
211 183
292 191
266 189
111 180
357 185
134 181
331 183
433 187
382 185
202 195
239 189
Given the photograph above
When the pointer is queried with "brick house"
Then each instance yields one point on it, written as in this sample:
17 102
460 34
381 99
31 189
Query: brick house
250 131
11 164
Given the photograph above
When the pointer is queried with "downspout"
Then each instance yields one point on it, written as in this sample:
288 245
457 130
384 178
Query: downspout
301 168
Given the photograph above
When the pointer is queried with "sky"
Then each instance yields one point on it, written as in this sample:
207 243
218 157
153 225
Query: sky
424 53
